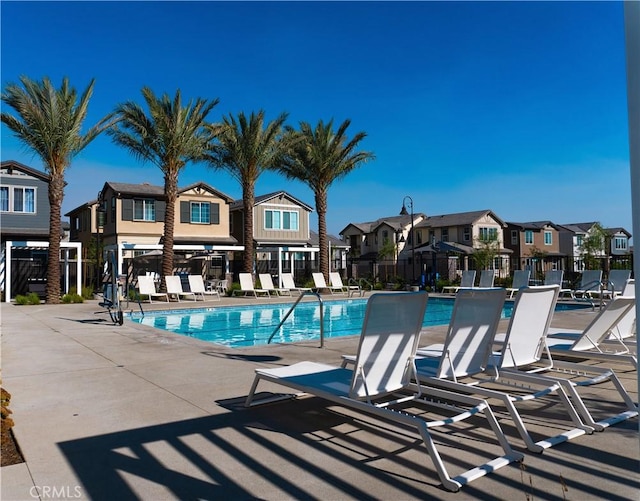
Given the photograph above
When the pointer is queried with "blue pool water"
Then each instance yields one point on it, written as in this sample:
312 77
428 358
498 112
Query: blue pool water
243 326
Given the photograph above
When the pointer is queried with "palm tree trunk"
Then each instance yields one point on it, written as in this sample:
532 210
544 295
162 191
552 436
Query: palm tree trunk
248 199
321 207
56 194
171 191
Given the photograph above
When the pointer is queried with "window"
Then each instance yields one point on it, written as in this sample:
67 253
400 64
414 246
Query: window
620 243
144 210
18 199
579 240
200 212
548 238
445 234
281 220
4 199
466 233
514 237
528 237
488 234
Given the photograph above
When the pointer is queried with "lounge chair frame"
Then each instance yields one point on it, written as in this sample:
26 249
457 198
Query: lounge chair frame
383 372
247 288
465 364
196 284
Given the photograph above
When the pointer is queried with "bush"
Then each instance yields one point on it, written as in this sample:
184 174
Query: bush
31 298
87 292
72 298
235 286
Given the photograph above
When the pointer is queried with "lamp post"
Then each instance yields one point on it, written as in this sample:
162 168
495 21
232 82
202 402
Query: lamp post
398 240
403 212
100 216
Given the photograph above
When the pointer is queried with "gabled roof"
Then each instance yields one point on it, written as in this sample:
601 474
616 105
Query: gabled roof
144 189
314 240
458 219
578 227
238 204
208 188
12 165
613 231
535 225
395 222
150 190
79 208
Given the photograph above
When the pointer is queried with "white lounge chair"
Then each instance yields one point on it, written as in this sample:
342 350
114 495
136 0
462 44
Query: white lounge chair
321 284
487 278
590 344
466 282
247 288
521 359
520 280
266 282
196 284
590 281
174 288
147 287
336 281
382 378
622 332
615 283
289 284
556 277
465 365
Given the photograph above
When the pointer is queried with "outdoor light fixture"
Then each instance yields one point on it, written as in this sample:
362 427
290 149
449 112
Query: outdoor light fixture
404 212
100 217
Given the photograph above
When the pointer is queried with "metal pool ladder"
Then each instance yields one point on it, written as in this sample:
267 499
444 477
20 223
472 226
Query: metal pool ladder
303 294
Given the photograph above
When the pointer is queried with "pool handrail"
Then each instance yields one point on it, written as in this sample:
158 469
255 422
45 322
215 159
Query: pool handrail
303 294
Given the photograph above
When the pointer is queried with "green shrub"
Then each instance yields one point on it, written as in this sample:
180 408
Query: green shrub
72 298
20 299
31 298
87 292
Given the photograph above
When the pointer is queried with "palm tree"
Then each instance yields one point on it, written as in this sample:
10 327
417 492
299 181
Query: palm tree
319 157
49 121
170 136
245 147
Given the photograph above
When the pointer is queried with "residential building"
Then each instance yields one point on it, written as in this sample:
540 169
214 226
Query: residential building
24 233
535 246
614 250
281 234
128 220
462 241
383 248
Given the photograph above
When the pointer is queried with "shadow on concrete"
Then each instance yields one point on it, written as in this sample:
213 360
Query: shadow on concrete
298 449
244 358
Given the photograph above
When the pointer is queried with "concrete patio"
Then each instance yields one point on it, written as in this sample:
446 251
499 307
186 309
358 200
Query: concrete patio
129 412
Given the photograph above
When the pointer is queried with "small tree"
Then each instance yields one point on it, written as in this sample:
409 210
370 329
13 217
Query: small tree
388 249
537 257
593 247
486 249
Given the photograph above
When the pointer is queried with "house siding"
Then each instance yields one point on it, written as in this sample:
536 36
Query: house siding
261 233
17 221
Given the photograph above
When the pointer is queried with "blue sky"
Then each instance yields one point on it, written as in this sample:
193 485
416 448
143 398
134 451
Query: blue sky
516 107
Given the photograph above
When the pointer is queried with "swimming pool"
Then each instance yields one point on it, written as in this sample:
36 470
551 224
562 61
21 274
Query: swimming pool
244 326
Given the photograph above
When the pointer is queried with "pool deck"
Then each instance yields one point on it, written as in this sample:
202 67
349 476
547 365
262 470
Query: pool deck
130 412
